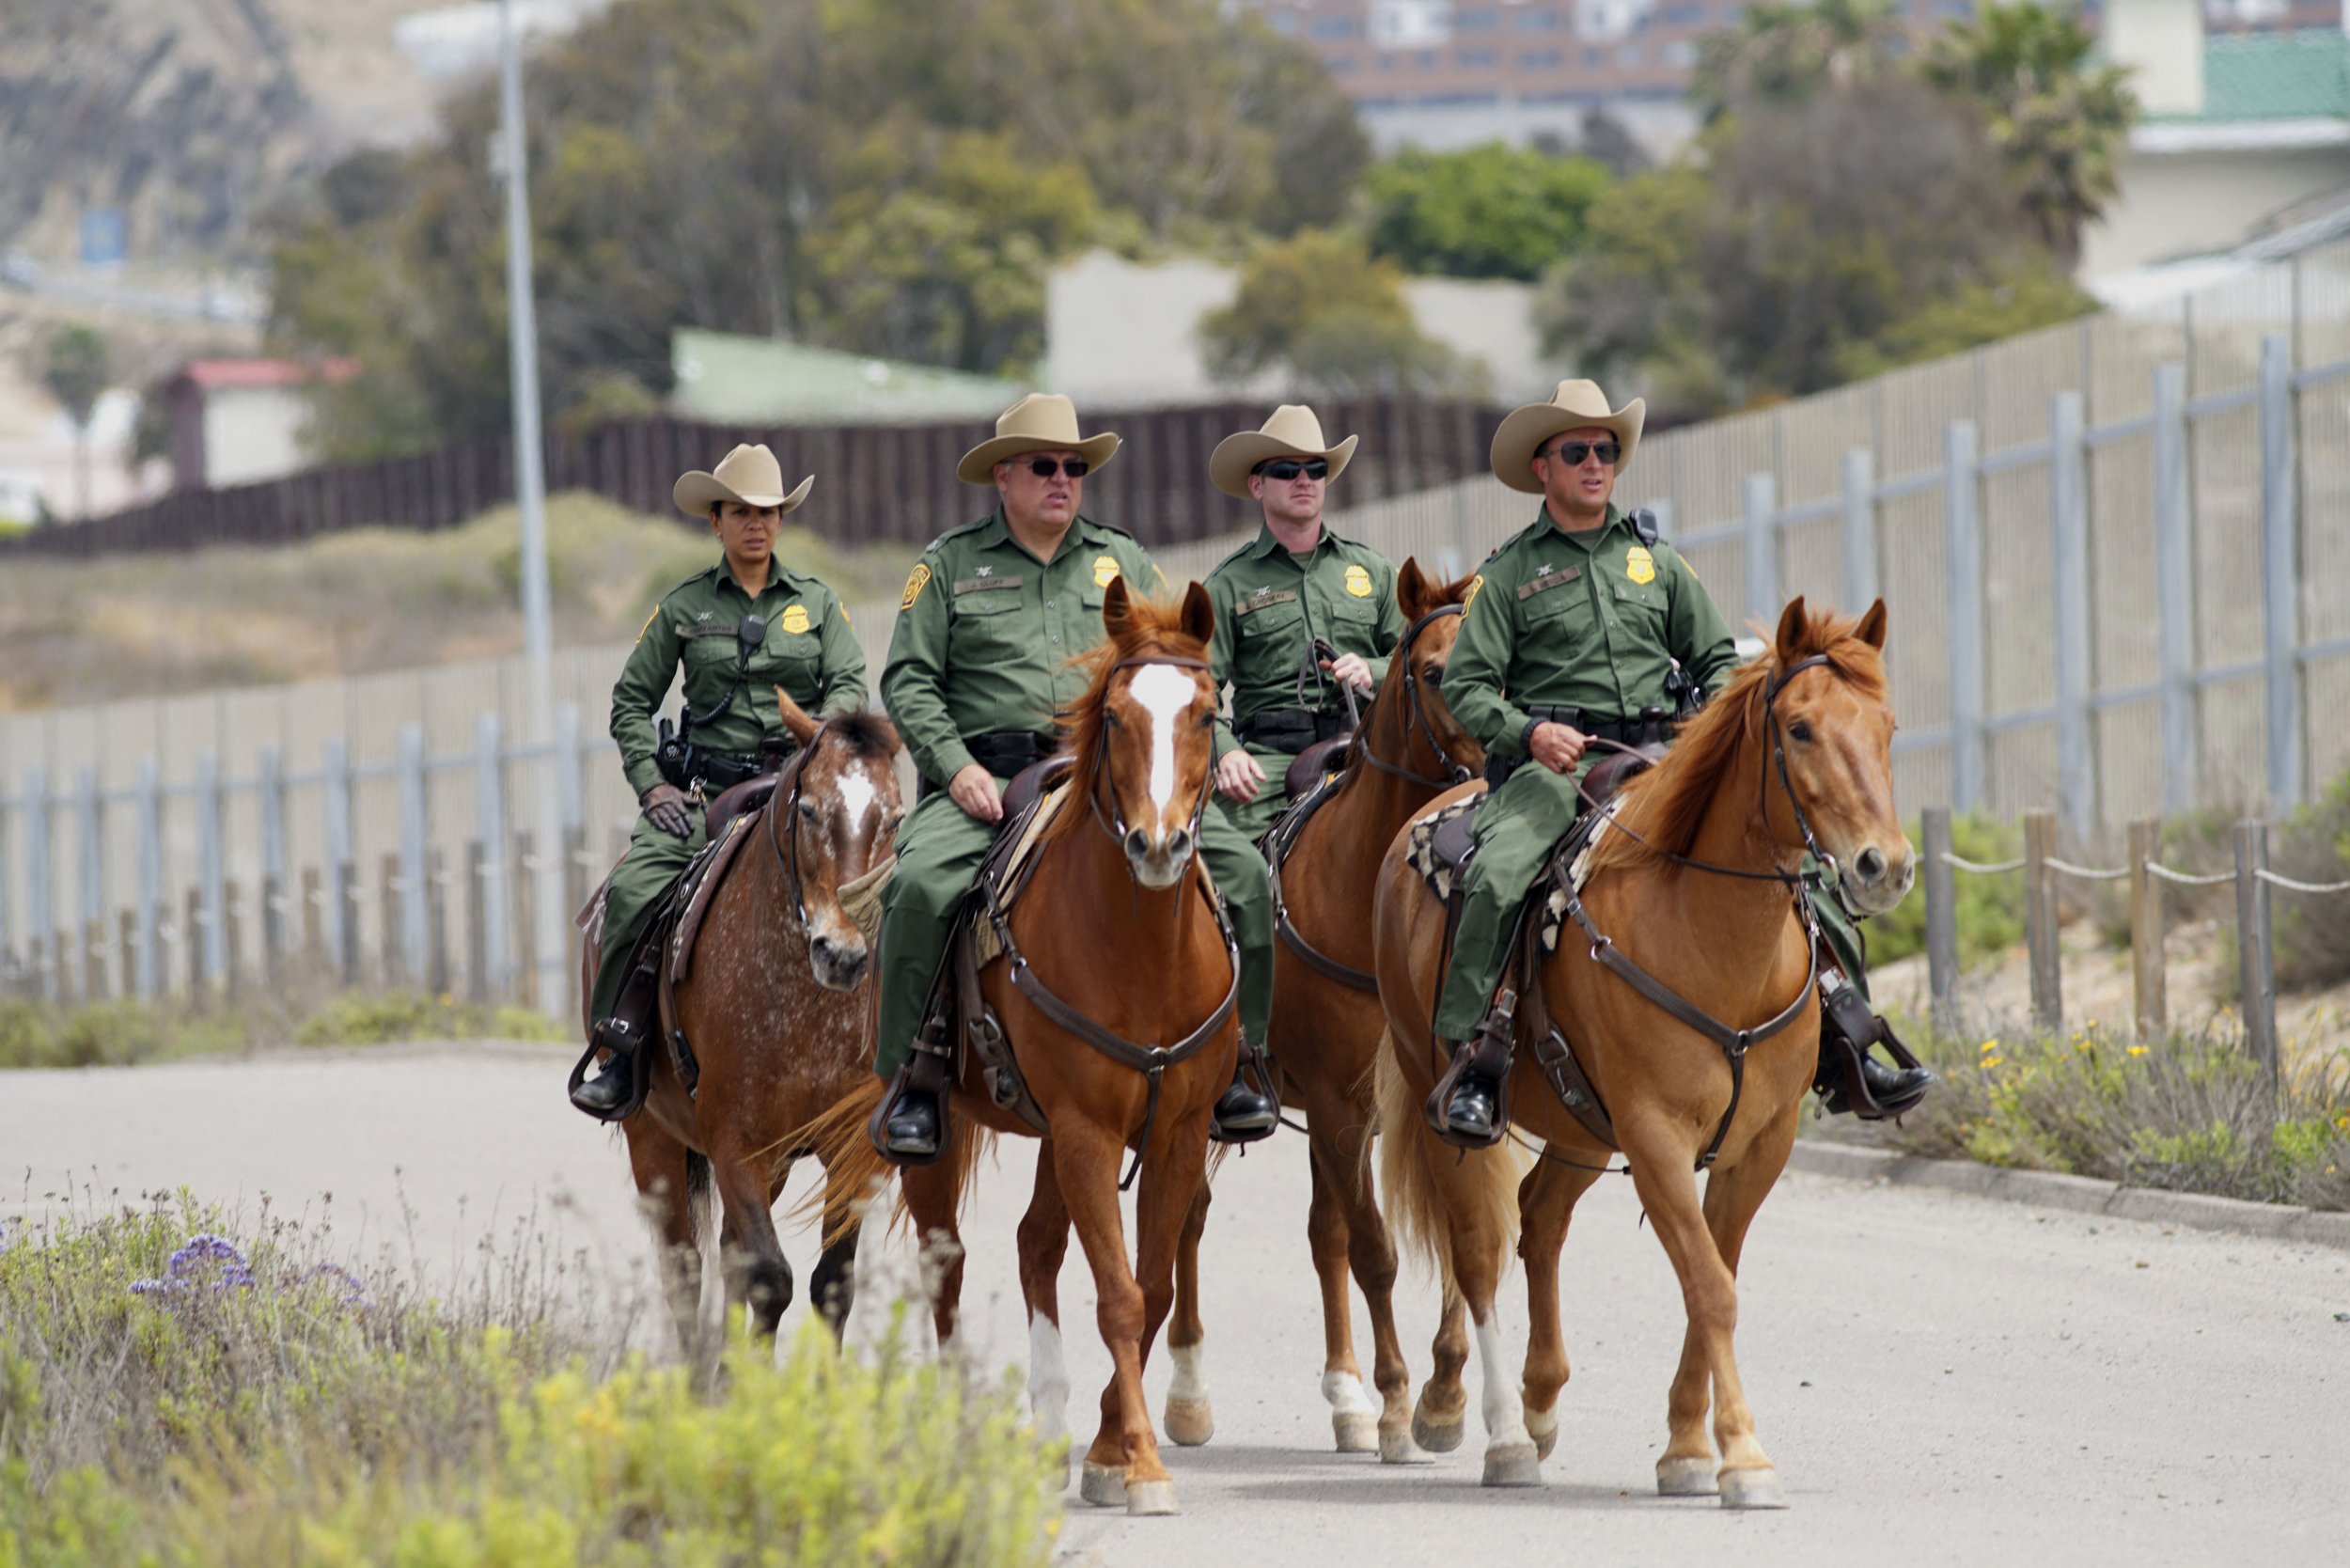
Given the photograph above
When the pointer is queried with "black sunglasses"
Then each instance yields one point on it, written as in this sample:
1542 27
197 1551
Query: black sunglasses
1571 453
1285 469
1044 468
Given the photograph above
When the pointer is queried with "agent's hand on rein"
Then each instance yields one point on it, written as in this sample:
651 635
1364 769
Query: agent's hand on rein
1557 747
1350 669
973 788
665 806
1238 775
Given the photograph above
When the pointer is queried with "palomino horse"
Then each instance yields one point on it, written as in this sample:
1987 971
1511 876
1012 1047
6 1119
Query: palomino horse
1117 955
775 1008
1685 989
1327 1028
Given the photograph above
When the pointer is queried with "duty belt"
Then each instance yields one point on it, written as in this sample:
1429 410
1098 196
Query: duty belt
723 770
1289 730
1001 752
1652 726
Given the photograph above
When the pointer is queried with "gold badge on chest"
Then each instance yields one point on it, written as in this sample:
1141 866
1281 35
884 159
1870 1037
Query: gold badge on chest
1639 565
795 618
1105 571
1358 582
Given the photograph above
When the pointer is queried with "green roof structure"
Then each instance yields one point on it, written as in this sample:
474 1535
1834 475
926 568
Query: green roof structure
726 379
2254 76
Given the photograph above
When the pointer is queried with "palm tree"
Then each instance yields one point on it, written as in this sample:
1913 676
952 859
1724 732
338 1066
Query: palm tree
74 371
1784 51
2059 120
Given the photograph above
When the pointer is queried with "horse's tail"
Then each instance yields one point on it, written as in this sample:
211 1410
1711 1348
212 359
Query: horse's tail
1476 1187
854 1172
699 1193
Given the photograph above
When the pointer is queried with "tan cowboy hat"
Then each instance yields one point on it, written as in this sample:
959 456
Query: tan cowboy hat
1576 404
1292 431
1039 422
749 475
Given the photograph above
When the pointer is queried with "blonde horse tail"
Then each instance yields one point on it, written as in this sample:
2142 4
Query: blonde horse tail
1476 1189
854 1172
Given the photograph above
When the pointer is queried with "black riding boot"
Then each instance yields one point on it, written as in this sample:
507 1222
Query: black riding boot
612 1093
1850 1078
909 1126
1243 1114
1464 1108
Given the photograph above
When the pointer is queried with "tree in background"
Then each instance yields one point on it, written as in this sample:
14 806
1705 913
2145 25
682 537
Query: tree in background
1786 51
1485 212
891 176
74 371
1321 308
2060 119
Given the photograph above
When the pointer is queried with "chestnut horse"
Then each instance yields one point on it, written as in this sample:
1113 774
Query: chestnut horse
1693 883
1116 934
774 1007
1327 1028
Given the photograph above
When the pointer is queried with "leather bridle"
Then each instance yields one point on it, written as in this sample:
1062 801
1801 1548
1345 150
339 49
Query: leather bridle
1416 718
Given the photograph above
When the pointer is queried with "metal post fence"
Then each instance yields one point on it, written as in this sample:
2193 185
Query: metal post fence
40 924
2068 509
1963 544
2279 586
2174 590
1861 530
1762 541
2255 958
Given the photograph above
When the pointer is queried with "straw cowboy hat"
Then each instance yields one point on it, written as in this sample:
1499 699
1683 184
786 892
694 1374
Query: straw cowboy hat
749 475
1039 422
1573 406
1292 431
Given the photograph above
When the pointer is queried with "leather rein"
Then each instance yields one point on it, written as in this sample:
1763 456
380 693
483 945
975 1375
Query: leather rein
1151 1060
1280 845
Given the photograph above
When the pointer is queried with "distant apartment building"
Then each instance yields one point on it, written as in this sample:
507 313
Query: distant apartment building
1450 72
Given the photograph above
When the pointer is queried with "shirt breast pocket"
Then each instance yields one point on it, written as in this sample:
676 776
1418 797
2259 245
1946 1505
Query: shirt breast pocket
1642 607
986 622
1564 609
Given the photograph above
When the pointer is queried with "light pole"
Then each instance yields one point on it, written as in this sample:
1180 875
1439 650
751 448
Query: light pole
531 496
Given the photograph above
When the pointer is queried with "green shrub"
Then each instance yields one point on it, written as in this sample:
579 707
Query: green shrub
1990 908
375 1018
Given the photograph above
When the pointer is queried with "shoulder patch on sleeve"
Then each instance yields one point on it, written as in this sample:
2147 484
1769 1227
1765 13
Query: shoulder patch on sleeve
647 625
917 580
1477 585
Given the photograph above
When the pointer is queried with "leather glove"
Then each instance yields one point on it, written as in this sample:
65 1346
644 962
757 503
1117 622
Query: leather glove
664 804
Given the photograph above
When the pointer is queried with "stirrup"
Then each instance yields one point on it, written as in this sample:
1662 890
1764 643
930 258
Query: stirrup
1847 1031
1266 1090
624 1041
1488 1058
928 1071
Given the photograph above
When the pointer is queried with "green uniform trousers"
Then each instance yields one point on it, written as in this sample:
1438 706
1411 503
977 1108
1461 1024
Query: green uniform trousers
939 851
1251 818
1517 829
653 860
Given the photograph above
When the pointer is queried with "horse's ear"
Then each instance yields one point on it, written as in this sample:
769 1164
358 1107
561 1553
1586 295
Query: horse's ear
1412 593
1118 610
1199 614
1871 627
1792 623
795 719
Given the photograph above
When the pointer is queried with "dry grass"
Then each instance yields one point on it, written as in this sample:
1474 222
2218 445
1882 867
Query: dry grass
368 599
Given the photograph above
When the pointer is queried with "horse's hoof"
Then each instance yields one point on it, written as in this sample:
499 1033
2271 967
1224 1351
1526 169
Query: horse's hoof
1189 1422
1149 1498
1544 1424
1357 1430
1434 1436
1512 1465
1752 1489
1685 1478
1397 1448
1102 1486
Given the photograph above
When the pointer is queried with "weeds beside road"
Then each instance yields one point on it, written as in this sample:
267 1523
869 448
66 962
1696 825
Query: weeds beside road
124 1033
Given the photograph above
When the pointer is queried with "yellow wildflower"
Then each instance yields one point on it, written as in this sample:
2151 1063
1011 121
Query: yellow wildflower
2138 1050
1989 1046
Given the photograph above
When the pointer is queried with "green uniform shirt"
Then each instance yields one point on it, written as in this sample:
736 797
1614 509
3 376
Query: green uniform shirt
1270 604
1591 621
810 652
986 632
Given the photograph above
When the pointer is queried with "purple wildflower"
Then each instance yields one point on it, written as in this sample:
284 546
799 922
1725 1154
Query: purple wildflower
206 1252
349 1290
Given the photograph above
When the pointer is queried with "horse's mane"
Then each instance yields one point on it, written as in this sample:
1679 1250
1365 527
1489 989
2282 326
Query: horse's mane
1152 630
1665 805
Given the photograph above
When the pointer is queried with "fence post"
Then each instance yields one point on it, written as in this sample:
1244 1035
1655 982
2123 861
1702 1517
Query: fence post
232 940
390 904
211 871
1861 530
192 943
89 831
525 884
313 920
571 876
487 895
435 890
272 788
39 912
2039 920
1941 919
127 952
2174 586
2256 971
1761 537
343 859
476 923
1962 485
2279 585
2068 508
8 946
150 910
414 830
2150 980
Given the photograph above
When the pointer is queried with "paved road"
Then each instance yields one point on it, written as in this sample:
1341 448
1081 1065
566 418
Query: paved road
1940 1379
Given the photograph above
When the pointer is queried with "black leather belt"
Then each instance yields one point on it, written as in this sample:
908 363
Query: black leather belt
1001 752
723 770
1289 730
1652 726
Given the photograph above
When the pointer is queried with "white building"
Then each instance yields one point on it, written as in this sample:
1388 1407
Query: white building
239 421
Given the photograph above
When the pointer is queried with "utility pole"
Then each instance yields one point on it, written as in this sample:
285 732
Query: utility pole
530 479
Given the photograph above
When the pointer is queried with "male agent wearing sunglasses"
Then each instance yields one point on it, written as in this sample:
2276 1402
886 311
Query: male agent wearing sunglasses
1576 628
1295 582
979 661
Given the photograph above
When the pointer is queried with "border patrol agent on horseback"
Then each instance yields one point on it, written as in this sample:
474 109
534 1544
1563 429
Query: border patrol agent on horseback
979 661
741 629
1294 584
1585 625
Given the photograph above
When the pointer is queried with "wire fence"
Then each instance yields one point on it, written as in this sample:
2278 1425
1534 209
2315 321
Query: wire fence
2147 876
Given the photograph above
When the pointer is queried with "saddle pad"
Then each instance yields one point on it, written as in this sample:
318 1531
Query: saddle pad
1580 840
1442 842
701 879
985 948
